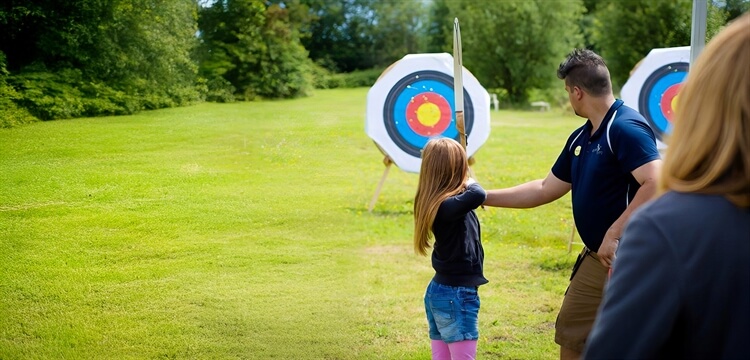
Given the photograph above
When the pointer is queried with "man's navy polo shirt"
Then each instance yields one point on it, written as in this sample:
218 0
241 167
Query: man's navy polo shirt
599 167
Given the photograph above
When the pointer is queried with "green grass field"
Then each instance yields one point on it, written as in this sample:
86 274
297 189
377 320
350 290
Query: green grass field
223 231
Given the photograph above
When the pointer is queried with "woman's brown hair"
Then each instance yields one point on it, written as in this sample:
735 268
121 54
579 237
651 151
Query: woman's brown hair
709 149
443 173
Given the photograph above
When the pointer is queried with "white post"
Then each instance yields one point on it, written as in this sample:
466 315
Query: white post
698 35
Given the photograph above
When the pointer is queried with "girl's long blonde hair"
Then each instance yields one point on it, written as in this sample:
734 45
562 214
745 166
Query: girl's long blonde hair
443 173
709 149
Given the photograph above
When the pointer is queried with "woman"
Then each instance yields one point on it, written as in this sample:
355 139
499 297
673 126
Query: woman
680 286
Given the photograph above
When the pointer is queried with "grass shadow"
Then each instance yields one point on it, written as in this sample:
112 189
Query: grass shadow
556 262
381 212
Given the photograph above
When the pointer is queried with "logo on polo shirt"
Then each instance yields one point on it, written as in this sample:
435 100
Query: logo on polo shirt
577 151
597 150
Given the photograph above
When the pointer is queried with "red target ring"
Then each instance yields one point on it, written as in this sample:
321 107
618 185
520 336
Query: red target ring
428 114
669 101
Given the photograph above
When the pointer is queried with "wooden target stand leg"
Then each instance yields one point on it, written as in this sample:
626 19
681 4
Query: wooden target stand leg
572 235
388 162
572 239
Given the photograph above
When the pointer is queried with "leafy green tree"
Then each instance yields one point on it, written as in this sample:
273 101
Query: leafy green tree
10 113
398 30
587 23
285 68
626 31
439 34
254 46
91 57
514 45
734 8
146 47
338 37
348 35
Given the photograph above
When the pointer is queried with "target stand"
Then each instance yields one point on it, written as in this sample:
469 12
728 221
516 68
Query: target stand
387 162
413 101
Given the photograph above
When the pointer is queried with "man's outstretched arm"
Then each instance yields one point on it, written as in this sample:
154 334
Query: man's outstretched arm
528 195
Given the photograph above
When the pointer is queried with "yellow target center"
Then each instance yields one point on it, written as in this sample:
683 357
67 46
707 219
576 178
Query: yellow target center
428 114
674 102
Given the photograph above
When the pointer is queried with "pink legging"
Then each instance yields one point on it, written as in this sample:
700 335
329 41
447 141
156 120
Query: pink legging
461 350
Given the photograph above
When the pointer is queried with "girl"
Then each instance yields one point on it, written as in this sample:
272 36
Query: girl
444 207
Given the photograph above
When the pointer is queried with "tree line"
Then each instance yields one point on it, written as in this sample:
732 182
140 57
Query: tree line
65 59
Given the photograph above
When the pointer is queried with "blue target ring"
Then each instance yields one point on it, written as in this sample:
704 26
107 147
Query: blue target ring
399 97
651 98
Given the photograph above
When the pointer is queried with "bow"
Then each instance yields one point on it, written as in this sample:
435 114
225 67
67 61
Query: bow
458 90
458 84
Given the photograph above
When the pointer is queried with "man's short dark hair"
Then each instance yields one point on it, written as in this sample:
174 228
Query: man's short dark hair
587 70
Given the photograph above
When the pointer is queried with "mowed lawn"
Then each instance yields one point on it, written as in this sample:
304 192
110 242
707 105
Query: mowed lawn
241 231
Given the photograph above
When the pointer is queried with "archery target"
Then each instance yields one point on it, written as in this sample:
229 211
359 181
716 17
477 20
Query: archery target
653 88
419 107
413 101
659 94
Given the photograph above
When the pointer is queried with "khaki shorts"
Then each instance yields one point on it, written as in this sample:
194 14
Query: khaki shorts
582 299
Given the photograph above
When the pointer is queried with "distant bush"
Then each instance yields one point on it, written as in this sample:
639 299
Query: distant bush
220 90
103 100
361 78
324 79
66 94
11 114
502 97
555 96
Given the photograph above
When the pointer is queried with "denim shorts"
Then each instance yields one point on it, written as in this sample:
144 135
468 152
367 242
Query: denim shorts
452 312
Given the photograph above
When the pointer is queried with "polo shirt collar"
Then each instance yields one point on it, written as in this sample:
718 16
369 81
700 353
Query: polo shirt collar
607 118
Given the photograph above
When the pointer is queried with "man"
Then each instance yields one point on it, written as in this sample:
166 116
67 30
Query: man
611 164
681 282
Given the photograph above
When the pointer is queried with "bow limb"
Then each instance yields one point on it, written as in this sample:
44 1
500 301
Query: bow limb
458 85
